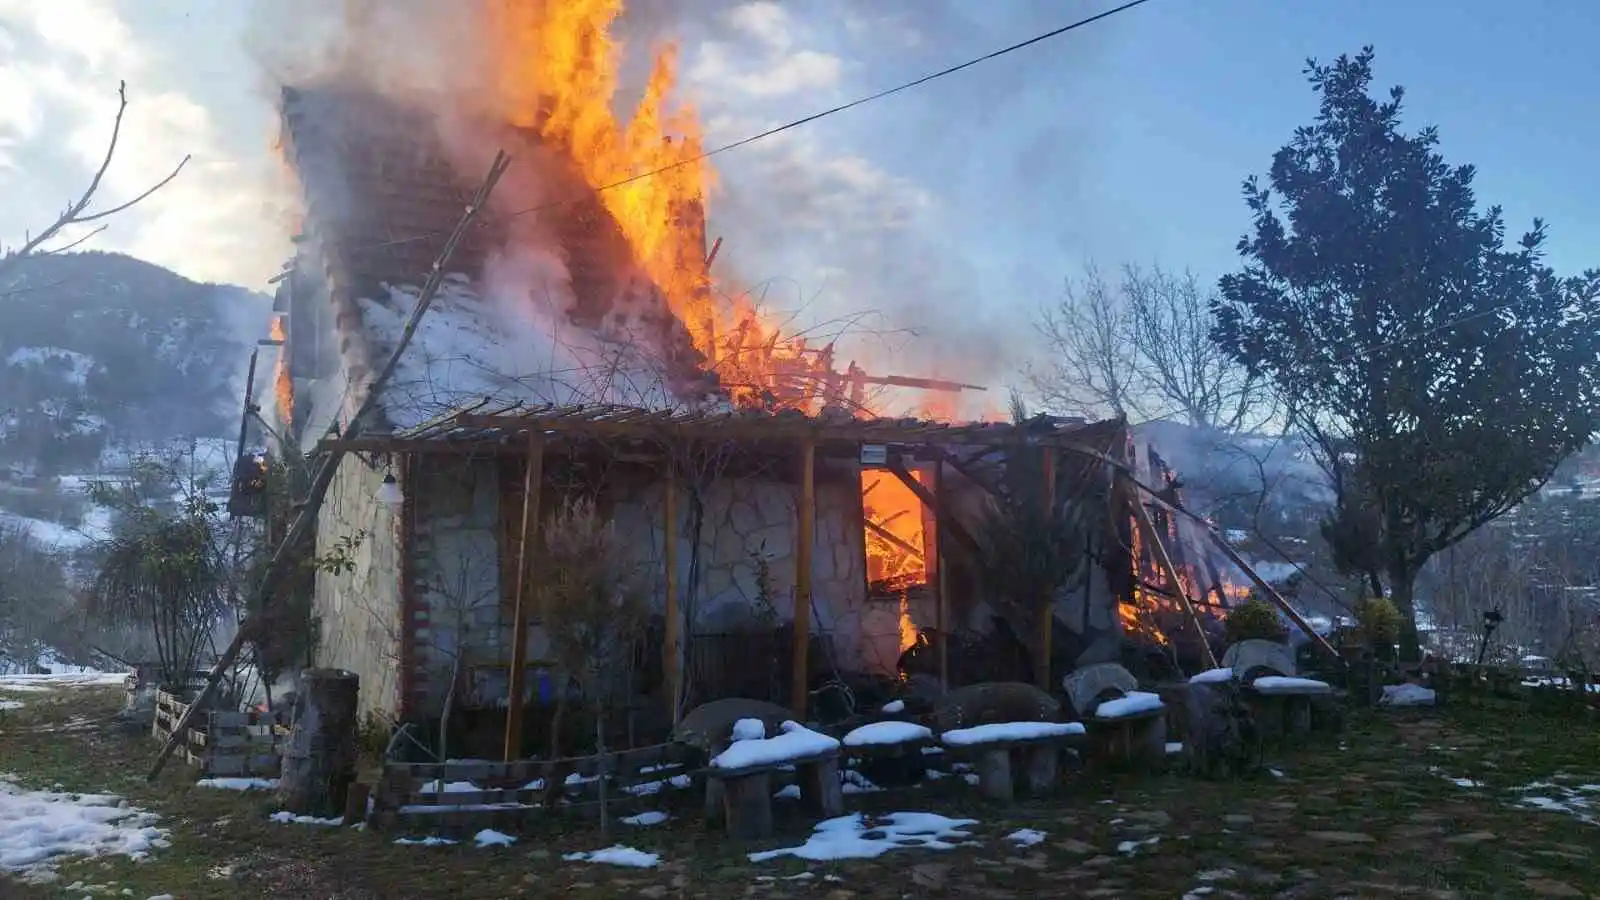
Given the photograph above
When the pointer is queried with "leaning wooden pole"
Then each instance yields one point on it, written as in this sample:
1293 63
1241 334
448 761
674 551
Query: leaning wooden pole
307 516
1158 549
807 515
1272 594
527 541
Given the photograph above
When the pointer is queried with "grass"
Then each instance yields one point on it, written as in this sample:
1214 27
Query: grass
1376 811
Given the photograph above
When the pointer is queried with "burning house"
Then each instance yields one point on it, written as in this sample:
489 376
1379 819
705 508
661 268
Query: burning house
578 348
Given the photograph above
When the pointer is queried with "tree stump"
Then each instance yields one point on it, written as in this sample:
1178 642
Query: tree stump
319 757
821 793
747 804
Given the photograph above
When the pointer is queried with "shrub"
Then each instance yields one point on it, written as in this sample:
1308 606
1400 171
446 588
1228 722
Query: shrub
1255 619
1380 621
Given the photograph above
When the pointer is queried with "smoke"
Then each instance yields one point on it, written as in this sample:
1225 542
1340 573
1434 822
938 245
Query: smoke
859 226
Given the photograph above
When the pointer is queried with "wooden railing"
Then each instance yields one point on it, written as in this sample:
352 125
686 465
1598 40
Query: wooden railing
222 743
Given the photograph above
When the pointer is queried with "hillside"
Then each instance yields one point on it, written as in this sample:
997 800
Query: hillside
101 356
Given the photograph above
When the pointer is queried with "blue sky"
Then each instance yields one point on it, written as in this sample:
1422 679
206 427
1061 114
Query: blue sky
956 208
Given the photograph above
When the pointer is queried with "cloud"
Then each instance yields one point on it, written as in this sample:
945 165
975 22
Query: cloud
221 219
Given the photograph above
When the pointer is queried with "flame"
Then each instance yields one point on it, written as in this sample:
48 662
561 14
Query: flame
555 68
897 555
282 384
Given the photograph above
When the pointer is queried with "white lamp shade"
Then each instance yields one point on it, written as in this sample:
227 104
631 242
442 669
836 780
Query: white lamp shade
389 493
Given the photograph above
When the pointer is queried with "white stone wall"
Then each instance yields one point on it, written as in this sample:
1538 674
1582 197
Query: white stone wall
359 609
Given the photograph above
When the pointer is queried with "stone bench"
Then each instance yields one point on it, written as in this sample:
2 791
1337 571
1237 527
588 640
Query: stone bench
1127 727
888 752
1282 704
1037 744
740 777
1129 731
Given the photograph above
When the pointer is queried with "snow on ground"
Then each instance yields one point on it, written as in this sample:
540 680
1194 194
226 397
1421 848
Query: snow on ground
1026 837
288 818
1009 731
37 827
80 679
1580 801
653 817
796 742
1406 694
619 855
847 837
10 704
488 837
239 784
1134 703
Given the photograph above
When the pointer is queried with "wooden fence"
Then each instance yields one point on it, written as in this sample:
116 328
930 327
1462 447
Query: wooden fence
222 743
1471 685
470 794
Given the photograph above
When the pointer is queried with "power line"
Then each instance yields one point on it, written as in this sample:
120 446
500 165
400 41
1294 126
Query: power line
859 101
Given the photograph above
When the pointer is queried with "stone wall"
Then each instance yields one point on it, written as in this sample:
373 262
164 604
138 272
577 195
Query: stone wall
359 609
458 611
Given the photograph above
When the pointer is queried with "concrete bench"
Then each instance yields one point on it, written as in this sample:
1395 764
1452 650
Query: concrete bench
1037 745
740 777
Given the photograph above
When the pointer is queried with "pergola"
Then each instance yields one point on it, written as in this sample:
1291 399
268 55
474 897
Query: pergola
529 430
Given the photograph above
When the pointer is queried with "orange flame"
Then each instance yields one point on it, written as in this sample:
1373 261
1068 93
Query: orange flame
555 69
282 384
897 548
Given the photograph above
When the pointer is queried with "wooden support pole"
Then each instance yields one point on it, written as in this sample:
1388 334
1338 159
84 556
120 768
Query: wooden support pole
528 536
671 652
1141 517
300 528
1045 611
941 584
943 516
802 576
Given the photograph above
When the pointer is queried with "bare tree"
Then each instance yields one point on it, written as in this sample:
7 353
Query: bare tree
594 606
77 213
1142 348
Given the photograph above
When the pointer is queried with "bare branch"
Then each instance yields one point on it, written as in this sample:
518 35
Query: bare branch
76 212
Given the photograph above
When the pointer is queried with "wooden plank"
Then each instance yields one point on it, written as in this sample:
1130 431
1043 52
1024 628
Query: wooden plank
532 481
943 516
804 539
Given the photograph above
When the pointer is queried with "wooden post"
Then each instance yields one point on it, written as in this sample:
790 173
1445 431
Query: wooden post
1159 551
532 480
671 659
319 758
802 576
1045 613
941 585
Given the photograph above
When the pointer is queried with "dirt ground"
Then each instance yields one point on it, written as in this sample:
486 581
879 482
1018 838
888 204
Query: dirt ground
1404 804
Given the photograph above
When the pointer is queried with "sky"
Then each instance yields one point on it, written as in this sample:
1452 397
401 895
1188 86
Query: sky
954 209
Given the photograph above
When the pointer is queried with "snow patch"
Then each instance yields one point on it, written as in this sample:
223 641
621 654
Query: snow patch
1026 837
796 742
1282 684
1133 704
856 837
878 734
653 817
1212 676
239 784
1009 731
39 826
1407 694
618 855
